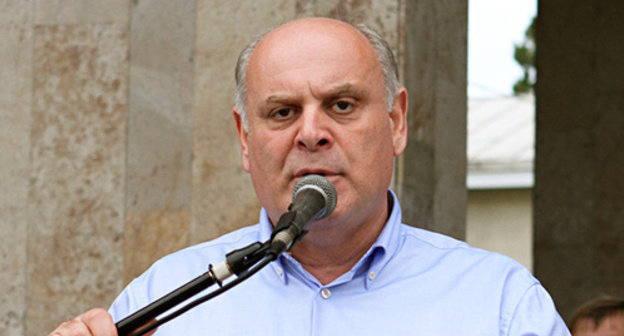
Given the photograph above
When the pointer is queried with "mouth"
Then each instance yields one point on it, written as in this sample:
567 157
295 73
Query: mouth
311 171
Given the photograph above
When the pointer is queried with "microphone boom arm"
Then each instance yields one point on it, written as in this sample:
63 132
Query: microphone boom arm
237 262
313 198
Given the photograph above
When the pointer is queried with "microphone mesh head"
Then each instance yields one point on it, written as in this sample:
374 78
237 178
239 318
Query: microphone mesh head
318 182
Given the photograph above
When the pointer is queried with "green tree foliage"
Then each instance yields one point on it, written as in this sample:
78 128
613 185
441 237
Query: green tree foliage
524 54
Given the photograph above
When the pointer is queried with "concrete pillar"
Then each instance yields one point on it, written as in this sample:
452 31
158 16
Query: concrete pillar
579 189
77 156
431 175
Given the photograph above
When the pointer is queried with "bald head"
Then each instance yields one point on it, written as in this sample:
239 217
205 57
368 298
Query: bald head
310 37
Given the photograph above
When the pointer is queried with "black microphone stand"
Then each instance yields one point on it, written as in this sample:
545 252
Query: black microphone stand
243 262
238 261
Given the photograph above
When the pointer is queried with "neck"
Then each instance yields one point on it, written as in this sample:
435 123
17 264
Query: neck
334 249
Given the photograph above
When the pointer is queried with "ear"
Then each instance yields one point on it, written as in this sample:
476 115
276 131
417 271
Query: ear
398 121
242 139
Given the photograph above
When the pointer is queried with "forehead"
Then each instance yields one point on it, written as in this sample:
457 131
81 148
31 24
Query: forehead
334 48
610 325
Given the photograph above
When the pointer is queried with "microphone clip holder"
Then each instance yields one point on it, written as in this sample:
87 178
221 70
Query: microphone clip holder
240 260
285 225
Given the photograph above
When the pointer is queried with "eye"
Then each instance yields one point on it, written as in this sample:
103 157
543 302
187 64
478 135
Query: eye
342 106
282 113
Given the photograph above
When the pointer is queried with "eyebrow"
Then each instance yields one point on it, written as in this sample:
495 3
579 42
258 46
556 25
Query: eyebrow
339 90
346 88
342 89
277 98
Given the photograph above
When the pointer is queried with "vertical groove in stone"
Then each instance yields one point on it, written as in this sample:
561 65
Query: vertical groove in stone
160 131
15 119
76 175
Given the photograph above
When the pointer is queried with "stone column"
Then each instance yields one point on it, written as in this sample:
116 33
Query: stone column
579 189
431 175
77 157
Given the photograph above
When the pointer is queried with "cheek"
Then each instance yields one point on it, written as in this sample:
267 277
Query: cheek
378 149
377 140
266 166
267 152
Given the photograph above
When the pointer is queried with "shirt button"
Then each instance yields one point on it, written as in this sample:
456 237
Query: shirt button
279 271
325 293
371 275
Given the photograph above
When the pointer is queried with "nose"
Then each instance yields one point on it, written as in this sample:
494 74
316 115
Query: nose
313 133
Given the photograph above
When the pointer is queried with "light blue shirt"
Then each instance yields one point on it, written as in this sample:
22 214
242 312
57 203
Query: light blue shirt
410 282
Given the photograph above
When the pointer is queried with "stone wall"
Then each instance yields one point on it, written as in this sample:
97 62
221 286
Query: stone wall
117 144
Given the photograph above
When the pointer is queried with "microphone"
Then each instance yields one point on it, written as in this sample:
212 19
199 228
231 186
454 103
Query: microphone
313 198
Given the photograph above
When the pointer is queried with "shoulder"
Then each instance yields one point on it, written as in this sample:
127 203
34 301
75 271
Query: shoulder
435 251
176 269
212 251
490 283
195 260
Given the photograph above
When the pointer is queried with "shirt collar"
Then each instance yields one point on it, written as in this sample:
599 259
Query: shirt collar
386 245
373 261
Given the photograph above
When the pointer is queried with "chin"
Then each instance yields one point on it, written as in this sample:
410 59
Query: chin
335 219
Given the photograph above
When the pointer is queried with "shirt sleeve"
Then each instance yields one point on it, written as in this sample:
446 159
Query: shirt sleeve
536 315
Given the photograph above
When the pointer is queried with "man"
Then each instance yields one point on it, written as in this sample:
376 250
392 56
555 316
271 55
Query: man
318 96
601 317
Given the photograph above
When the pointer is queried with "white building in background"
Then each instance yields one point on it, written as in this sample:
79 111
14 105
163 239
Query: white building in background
501 143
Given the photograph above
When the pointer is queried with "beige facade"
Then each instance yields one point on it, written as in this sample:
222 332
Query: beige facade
501 151
501 220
